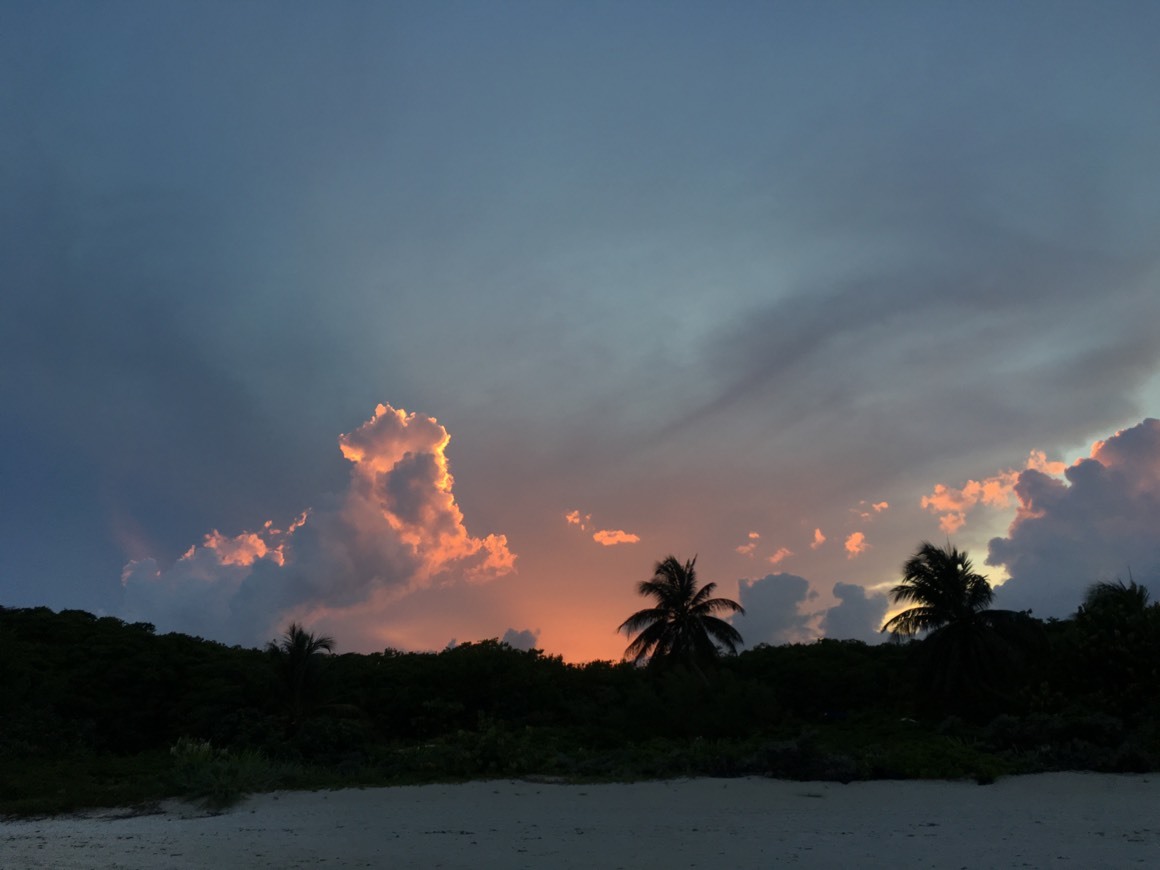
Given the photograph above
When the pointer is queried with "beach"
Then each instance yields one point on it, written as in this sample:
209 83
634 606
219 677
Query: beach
1058 819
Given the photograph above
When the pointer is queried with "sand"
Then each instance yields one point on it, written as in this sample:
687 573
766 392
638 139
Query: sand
1065 819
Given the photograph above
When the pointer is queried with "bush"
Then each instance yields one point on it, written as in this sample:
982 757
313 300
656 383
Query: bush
218 778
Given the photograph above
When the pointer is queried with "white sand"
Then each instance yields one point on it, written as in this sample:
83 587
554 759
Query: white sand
1069 819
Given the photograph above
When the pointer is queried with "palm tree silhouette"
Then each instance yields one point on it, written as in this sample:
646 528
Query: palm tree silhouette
297 654
943 586
681 627
969 650
1114 600
1119 644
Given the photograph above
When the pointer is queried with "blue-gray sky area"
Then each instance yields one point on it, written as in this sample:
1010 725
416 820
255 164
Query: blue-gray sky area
424 322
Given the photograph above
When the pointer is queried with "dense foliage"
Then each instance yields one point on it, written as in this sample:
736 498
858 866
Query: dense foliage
98 711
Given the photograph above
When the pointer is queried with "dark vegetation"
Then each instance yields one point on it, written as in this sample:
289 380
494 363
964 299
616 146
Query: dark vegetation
98 712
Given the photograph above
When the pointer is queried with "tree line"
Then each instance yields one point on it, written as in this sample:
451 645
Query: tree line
962 690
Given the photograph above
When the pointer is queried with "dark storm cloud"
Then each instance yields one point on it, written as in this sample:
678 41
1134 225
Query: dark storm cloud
772 610
1100 524
858 615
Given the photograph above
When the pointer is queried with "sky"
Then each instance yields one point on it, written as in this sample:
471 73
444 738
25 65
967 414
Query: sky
424 323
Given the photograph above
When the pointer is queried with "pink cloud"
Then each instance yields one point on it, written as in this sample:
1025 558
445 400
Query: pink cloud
748 548
397 527
856 545
866 510
781 555
952 504
818 540
612 537
575 518
604 537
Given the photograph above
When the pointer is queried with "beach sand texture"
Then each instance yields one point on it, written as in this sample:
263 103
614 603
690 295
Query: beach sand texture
1050 820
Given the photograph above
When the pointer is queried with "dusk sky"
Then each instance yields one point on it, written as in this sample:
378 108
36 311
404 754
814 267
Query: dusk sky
432 322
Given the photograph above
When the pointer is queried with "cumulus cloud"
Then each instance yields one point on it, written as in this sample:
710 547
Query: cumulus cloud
772 610
612 537
780 555
525 639
604 537
954 503
856 545
777 611
1098 523
748 548
858 615
396 528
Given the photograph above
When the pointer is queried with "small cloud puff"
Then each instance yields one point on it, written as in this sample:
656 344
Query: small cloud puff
525 639
575 518
856 545
867 510
612 537
748 548
604 537
781 555
818 540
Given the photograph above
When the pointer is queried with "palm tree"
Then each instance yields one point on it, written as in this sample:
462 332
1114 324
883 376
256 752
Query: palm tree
969 651
943 586
1115 599
681 627
1119 645
297 653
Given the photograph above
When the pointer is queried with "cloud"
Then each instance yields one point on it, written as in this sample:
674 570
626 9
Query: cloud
604 537
818 540
575 518
772 610
858 615
856 545
396 528
998 491
612 537
525 639
781 555
1097 524
748 548
866 510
